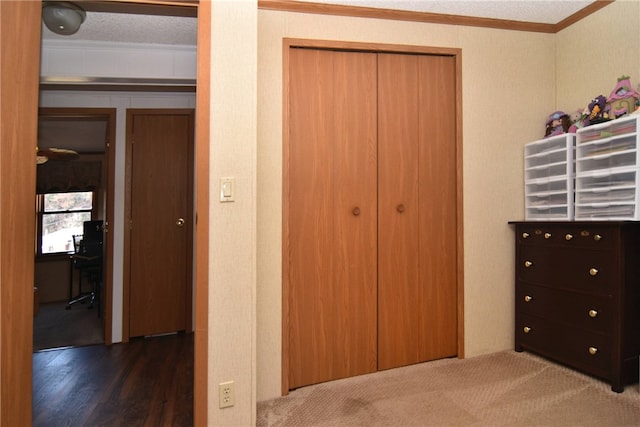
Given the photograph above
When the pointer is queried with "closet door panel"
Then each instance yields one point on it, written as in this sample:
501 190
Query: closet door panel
398 173
437 207
309 216
355 192
332 212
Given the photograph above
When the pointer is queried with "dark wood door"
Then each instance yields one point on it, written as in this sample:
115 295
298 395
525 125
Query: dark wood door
332 216
417 275
160 144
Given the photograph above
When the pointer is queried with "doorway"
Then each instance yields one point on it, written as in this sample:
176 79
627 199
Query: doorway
67 284
20 53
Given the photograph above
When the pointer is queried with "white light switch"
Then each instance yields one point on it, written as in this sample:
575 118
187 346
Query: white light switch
226 189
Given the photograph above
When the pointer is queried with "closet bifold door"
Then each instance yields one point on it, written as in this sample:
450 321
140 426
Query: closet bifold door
416 209
332 215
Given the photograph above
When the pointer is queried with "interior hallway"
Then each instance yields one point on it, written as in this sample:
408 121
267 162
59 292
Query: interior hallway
144 382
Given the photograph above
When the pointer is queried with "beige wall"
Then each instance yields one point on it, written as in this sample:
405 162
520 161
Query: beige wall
232 230
594 52
508 89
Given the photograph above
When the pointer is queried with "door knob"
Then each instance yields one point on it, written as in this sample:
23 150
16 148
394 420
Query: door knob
356 211
180 222
400 208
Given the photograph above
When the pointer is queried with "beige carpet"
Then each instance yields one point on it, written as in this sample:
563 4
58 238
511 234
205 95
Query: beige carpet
501 389
55 327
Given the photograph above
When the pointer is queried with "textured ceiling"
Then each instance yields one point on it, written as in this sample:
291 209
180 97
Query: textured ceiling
132 28
538 11
137 28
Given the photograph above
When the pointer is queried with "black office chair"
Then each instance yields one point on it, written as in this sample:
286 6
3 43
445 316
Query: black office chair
87 259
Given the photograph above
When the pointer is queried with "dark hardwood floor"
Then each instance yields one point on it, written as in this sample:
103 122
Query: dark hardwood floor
146 382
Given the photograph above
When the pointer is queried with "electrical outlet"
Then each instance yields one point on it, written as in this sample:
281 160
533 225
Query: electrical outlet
225 394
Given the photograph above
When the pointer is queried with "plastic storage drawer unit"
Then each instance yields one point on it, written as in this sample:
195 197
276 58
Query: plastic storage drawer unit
549 170
607 171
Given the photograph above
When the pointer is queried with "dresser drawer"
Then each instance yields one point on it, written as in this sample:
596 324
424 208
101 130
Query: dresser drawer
570 236
588 312
581 284
582 270
585 351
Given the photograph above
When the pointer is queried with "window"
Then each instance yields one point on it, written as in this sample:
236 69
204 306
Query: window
60 217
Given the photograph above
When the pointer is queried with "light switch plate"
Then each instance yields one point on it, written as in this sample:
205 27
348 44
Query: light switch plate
227 188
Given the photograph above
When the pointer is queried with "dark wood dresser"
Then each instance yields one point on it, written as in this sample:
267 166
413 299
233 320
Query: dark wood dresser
578 296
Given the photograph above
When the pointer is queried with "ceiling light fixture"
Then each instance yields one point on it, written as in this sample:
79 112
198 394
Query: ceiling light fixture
63 17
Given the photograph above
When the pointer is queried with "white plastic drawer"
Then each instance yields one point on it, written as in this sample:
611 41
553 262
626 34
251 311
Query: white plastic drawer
546 185
607 195
622 126
548 171
608 160
556 156
607 179
549 199
543 213
549 145
606 146
607 211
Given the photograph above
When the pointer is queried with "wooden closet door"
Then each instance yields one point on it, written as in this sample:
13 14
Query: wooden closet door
398 264
438 208
331 215
417 209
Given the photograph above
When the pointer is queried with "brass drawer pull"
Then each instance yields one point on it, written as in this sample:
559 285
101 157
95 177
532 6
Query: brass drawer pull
597 237
547 235
593 313
528 298
526 329
525 235
568 236
528 264
593 350
593 271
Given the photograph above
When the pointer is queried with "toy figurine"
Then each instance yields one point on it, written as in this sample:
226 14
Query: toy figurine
557 124
623 99
598 111
577 120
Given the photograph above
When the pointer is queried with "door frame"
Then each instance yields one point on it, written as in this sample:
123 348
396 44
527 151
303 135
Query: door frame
456 53
109 115
18 174
126 285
